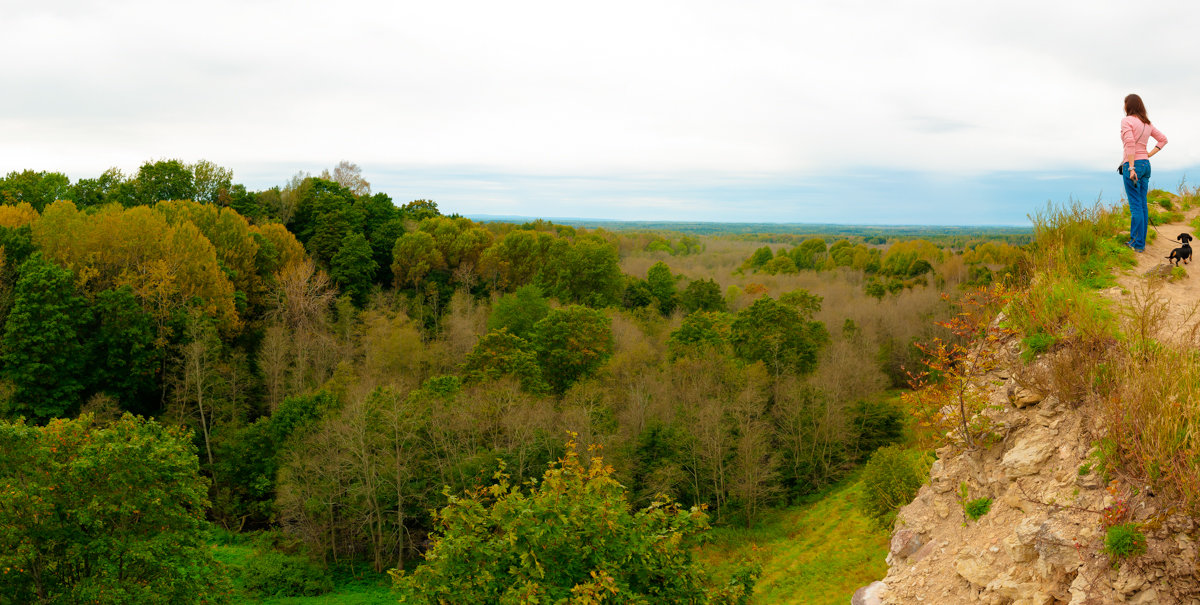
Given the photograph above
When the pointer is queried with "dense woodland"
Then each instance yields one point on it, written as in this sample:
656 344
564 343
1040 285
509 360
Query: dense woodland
342 363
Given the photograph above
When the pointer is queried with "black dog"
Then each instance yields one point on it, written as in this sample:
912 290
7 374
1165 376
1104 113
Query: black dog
1182 253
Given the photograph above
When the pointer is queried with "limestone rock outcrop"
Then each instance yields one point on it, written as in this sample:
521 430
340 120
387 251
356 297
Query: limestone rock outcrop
1041 542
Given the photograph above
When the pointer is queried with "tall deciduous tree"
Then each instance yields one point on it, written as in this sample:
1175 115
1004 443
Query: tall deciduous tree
519 311
516 259
571 343
702 295
414 256
777 335
585 272
45 348
127 361
210 181
353 268
348 175
662 285
38 189
501 353
163 180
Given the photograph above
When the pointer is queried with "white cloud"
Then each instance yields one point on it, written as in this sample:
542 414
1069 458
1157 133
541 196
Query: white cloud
622 87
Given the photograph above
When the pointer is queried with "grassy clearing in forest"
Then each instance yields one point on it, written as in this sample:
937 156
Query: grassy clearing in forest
814 553
367 588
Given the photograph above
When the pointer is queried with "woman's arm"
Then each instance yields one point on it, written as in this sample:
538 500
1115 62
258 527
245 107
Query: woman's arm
1130 149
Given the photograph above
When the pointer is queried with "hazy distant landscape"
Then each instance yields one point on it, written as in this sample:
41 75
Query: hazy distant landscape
766 229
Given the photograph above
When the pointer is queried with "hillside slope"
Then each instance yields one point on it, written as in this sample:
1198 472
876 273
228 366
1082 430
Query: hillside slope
1043 540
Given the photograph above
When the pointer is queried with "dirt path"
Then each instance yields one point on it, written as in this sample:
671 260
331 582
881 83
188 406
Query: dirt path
1143 287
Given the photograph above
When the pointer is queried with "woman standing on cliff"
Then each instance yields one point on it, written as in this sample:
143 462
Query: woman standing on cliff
1136 131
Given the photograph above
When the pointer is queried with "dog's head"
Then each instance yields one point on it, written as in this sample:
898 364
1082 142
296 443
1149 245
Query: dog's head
1185 238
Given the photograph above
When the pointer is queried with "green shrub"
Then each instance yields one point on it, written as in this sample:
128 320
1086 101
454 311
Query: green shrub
1035 344
274 574
977 508
890 480
1124 541
572 537
1162 218
1178 273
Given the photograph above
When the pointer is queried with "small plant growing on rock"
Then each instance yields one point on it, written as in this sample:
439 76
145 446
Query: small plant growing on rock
1124 541
977 508
972 509
1117 512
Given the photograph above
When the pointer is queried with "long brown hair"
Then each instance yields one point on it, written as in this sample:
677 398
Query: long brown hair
1135 107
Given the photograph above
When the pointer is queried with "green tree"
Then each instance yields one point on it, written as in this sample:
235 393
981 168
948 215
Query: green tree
353 268
636 294
45 352
702 295
662 285
104 514
701 333
500 353
210 181
586 272
571 343
127 362
780 264
777 335
807 303
519 311
104 189
414 256
325 215
16 244
163 180
419 210
760 257
38 189
573 537
382 226
890 480
516 258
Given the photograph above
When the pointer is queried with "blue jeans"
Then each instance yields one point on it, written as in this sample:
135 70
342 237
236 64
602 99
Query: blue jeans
1135 192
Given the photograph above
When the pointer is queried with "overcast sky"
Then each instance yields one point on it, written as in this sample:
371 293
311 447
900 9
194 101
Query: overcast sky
854 112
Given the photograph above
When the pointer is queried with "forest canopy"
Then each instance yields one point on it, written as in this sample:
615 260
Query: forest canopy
334 365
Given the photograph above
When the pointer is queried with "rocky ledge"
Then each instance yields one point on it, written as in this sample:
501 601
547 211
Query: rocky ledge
1041 542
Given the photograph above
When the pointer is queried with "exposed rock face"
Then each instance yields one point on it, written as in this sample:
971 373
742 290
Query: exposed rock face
905 542
868 595
1029 453
1022 397
1041 542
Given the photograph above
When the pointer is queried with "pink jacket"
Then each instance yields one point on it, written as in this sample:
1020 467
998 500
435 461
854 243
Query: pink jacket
1136 135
